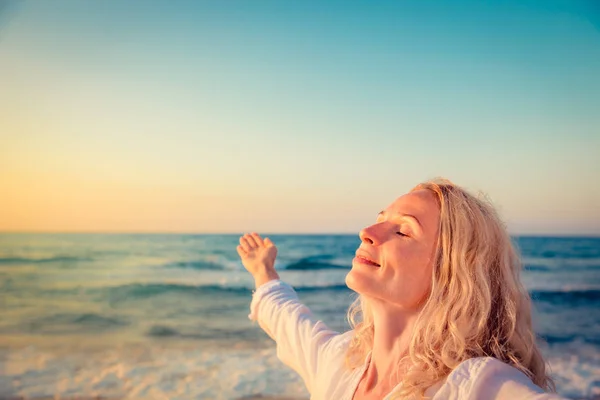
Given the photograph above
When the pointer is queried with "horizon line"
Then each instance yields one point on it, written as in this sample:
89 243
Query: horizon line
232 233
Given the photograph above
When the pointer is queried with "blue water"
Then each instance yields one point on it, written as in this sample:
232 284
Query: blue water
149 316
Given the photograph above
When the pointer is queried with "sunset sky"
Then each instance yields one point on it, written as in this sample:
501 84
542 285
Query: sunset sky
294 116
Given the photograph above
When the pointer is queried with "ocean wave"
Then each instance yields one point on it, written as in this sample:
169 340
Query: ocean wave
28 260
566 263
143 291
572 253
559 339
162 331
197 264
570 297
312 266
334 287
542 268
74 322
168 332
312 263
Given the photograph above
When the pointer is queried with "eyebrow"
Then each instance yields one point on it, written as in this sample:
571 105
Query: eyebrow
382 213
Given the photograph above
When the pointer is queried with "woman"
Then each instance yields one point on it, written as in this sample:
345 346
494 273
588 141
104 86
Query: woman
441 314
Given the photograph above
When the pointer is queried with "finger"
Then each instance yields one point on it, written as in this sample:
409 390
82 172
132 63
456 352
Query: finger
268 242
258 239
241 251
251 240
244 243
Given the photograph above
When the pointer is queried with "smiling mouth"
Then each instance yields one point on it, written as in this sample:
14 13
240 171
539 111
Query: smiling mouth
366 261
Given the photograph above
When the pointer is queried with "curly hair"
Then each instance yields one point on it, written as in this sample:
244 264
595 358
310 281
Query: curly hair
477 305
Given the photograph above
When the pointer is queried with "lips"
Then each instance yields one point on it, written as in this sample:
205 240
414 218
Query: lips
366 259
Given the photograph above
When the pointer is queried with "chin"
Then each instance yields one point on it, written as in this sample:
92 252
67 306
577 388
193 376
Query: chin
348 280
355 281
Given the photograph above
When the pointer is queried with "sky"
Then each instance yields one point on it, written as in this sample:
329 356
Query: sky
297 116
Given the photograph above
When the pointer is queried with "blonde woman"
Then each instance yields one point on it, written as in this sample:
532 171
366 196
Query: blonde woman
441 311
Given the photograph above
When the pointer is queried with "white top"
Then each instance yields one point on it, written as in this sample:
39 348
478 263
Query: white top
317 353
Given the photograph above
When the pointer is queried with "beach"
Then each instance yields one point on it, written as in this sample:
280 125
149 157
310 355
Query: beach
166 316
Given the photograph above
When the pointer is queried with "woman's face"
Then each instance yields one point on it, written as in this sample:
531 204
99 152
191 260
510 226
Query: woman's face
394 262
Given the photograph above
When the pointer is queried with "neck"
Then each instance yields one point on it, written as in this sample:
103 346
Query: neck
393 328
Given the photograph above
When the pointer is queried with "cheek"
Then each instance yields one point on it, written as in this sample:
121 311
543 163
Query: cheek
409 259
408 255
422 285
408 283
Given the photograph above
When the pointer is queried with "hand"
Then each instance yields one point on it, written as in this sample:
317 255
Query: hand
258 257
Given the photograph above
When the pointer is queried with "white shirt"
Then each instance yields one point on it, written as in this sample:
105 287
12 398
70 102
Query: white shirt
317 353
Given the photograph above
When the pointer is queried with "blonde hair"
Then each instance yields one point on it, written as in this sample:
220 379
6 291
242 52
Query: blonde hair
477 306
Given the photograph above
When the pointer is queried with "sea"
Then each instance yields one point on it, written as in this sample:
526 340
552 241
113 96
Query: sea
165 316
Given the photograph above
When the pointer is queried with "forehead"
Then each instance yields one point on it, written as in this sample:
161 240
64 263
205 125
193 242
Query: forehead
420 203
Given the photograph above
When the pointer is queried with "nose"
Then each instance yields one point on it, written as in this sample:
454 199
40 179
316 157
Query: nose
367 235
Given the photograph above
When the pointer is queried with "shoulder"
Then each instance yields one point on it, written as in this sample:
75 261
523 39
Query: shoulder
339 344
469 370
490 378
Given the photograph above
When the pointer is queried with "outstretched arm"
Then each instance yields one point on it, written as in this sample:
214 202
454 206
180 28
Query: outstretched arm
303 343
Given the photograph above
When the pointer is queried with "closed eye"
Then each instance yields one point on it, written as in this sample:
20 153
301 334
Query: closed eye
401 234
